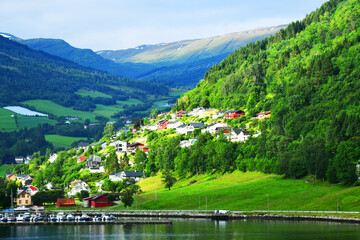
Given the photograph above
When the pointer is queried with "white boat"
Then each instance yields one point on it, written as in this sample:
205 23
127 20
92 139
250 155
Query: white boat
61 217
23 217
3 218
52 218
97 219
70 217
85 217
107 218
10 217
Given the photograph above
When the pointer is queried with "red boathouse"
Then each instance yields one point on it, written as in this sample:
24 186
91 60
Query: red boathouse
98 200
65 202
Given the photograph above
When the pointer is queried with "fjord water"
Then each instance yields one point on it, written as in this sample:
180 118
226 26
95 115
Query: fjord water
189 229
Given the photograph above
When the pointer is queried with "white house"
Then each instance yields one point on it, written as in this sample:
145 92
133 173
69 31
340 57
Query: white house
119 145
150 127
78 186
131 175
93 163
197 112
239 135
184 129
174 124
212 127
187 143
53 157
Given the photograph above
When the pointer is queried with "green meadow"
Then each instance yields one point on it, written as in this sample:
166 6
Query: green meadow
3 169
92 94
7 122
130 101
62 141
247 191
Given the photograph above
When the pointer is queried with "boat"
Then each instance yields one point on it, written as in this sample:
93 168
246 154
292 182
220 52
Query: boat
23 217
11 217
70 217
97 219
61 217
107 217
3 218
85 217
52 218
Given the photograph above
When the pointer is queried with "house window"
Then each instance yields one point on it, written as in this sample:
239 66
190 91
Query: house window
19 201
23 195
26 201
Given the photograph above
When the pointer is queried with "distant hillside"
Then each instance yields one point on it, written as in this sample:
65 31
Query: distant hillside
308 76
181 63
27 74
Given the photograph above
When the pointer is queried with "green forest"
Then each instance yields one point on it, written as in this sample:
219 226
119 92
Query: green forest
307 75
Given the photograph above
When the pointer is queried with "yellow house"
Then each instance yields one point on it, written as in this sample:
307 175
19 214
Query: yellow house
262 115
210 112
11 177
23 199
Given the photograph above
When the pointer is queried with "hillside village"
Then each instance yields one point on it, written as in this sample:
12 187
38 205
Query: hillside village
93 159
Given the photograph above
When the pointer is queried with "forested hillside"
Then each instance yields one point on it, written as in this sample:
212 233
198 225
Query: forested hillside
27 74
308 76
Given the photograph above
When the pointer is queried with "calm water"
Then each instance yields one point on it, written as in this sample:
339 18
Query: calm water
189 229
24 111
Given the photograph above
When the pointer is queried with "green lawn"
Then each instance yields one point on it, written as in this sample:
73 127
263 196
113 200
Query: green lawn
130 101
107 111
62 141
3 169
7 123
176 93
92 94
247 191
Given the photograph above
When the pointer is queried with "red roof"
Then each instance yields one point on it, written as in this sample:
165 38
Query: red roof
34 188
81 158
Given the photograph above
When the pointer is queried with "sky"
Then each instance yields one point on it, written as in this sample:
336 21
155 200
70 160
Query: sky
122 24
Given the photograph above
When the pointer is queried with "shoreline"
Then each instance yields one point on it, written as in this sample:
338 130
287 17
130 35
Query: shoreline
227 216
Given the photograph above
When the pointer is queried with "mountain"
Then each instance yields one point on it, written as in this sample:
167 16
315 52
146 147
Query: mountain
181 63
308 76
27 74
189 50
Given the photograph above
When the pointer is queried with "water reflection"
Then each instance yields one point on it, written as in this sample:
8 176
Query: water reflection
188 229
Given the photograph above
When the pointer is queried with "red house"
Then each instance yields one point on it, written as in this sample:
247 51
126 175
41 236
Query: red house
163 124
65 202
235 114
98 200
180 113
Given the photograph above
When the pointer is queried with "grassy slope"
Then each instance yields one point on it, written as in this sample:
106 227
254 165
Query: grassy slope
92 94
248 191
7 123
3 169
62 141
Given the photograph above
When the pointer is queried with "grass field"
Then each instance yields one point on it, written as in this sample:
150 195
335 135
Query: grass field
107 111
92 94
7 123
3 169
247 191
176 93
130 101
62 141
